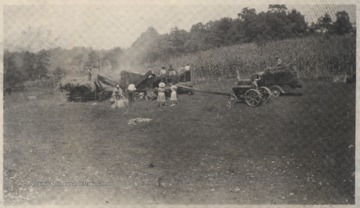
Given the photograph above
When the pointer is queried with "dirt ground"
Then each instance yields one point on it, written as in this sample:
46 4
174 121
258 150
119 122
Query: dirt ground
292 150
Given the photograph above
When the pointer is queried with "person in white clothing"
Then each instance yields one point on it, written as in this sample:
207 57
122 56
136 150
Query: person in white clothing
173 96
131 90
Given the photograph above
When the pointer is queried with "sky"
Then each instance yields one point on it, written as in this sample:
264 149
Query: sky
105 26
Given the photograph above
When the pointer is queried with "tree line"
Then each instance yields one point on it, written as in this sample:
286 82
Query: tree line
56 63
277 23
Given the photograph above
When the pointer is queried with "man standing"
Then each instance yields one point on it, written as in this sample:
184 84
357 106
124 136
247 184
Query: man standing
279 61
131 90
181 72
89 73
163 74
187 73
172 74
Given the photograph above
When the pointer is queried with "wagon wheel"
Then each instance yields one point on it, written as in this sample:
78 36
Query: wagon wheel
149 96
68 98
77 98
101 96
253 98
275 90
232 99
266 93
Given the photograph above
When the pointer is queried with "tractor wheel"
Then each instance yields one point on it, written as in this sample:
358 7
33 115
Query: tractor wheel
253 98
266 93
276 91
232 99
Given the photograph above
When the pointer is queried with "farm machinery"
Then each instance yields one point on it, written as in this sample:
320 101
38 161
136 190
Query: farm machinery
147 85
263 85
279 80
80 89
247 91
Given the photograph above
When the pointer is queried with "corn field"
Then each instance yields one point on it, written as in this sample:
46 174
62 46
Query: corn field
313 56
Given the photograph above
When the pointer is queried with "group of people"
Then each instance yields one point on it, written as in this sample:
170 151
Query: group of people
167 75
171 75
118 92
161 98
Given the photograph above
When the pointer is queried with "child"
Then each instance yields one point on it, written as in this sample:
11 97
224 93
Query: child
118 92
161 94
173 96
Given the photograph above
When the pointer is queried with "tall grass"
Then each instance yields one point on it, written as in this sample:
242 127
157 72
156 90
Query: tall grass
313 57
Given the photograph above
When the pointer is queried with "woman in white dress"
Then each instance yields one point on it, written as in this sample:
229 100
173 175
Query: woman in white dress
161 94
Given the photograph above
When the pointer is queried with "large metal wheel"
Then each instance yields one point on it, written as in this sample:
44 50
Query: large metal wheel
232 99
100 96
276 91
253 98
266 93
76 97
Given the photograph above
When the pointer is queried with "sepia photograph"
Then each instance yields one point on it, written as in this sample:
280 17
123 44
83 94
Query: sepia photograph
179 102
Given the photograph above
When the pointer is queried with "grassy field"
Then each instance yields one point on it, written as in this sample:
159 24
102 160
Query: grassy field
292 150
